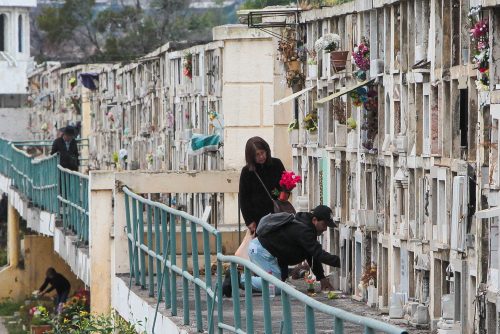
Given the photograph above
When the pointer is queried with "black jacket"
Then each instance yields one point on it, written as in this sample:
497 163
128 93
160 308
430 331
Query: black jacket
297 241
58 282
67 158
254 201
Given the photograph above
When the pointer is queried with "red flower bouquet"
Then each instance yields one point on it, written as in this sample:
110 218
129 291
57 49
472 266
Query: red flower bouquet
289 181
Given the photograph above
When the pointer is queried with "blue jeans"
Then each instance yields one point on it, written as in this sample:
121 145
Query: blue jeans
61 298
261 257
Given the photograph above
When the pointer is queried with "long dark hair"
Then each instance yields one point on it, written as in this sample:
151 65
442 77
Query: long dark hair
254 144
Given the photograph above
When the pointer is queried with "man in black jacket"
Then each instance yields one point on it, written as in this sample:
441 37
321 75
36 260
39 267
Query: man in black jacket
67 148
284 240
57 282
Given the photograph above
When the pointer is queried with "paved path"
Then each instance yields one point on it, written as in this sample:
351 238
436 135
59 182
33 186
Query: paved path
3 330
324 323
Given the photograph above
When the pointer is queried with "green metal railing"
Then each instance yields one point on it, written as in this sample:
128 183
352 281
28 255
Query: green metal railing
5 157
74 199
47 144
47 185
151 230
44 183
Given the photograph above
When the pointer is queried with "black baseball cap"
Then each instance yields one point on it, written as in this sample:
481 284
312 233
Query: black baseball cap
322 212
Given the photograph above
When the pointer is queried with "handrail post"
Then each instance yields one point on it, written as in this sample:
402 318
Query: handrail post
220 308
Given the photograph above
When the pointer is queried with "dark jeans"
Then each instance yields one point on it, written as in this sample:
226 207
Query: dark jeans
61 297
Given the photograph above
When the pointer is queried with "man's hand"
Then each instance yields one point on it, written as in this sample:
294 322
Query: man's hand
252 227
325 284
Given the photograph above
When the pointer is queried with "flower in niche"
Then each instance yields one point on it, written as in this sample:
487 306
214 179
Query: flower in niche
361 55
123 155
188 65
149 158
480 29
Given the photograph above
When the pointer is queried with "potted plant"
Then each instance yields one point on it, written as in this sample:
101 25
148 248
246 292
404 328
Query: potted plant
331 43
39 320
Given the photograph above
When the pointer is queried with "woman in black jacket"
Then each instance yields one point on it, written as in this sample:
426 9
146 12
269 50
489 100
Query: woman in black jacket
254 200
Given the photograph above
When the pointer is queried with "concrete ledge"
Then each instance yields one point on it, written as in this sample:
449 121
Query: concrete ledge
41 221
77 258
18 202
4 184
134 309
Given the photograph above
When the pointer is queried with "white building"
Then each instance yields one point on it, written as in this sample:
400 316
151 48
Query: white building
14 51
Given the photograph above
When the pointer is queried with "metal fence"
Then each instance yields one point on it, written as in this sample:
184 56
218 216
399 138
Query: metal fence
151 229
74 201
48 185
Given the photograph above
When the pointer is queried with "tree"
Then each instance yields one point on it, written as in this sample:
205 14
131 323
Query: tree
119 33
257 4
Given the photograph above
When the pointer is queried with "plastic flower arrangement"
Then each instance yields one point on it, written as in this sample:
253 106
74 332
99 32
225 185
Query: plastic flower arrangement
293 125
351 123
123 155
212 115
310 281
369 274
359 96
480 46
480 29
327 43
110 116
310 122
188 65
115 157
289 181
149 158
361 55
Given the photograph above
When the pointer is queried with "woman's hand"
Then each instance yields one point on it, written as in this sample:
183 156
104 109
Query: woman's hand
252 227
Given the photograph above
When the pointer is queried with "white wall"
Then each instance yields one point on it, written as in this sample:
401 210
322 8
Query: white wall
14 64
14 123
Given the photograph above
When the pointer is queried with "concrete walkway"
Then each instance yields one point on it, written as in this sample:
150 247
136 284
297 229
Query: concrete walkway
324 323
3 330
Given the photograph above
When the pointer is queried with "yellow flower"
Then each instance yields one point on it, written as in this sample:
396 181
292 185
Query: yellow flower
66 321
83 313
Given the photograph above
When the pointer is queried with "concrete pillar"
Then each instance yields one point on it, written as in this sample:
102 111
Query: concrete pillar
101 220
13 246
86 120
119 251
